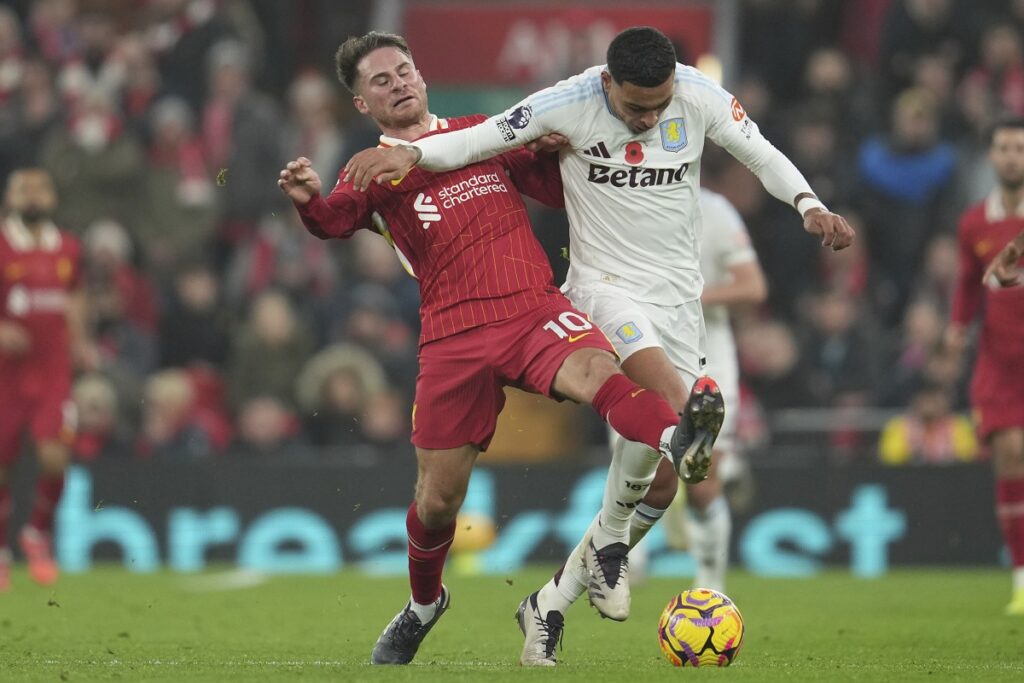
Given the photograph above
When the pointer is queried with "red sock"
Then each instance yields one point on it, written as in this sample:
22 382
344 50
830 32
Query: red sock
5 513
48 490
1010 510
634 412
428 549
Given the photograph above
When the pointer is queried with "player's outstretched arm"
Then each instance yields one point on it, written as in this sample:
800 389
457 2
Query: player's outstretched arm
299 181
1005 267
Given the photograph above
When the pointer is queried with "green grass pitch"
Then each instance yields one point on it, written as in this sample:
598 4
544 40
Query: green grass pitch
940 625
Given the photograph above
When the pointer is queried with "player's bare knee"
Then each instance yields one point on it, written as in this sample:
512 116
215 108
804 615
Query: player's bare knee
439 507
598 366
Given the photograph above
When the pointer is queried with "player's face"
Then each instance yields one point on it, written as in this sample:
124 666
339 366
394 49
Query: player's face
1007 156
30 194
638 107
391 90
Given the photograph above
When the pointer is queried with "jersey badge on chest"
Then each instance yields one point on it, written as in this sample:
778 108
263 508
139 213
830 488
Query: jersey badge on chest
673 134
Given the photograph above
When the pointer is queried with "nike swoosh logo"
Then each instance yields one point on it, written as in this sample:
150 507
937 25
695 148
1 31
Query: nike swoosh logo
578 337
636 393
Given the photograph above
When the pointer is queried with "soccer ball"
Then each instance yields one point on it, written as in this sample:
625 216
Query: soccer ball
700 627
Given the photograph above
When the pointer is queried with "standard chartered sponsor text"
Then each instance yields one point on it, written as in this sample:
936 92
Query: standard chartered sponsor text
477 186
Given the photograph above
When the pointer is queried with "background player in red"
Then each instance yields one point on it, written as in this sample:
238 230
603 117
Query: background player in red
491 314
997 384
41 315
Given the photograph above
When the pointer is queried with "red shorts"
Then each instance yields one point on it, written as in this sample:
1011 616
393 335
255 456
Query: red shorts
49 417
997 396
459 388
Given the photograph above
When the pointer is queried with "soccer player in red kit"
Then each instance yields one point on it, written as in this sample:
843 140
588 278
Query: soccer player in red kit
997 384
41 308
491 314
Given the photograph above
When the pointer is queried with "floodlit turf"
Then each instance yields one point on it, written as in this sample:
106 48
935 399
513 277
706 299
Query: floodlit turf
111 625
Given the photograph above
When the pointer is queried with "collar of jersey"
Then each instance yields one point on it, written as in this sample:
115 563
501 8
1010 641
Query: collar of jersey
995 210
435 124
20 237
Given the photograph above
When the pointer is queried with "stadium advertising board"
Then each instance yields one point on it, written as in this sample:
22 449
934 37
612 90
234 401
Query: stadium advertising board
319 518
526 44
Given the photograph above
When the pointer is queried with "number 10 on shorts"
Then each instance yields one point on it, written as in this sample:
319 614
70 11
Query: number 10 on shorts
567 323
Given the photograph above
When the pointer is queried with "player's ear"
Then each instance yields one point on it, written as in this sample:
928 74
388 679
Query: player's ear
360 105
606 80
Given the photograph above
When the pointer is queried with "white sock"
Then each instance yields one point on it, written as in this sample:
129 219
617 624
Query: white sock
1018 578
425 612
709 531
644 517
629 476
573 582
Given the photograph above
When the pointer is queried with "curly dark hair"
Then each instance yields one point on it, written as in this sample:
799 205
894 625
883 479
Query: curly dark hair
641 55
347 58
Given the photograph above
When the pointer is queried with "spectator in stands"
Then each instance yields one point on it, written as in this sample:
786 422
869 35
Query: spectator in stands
27 116
770 360
100 434
196 326
934 74
334 390
96 164
928 433
283 255
383 420
906 178
313 129
242 138
169 430
921 333
268 352
266 427
916 27
995 86
180 196
110 256
373 322
839 351
12 54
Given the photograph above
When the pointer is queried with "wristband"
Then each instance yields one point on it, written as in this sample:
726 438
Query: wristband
807 203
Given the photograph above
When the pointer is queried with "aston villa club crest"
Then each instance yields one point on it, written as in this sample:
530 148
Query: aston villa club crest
673 135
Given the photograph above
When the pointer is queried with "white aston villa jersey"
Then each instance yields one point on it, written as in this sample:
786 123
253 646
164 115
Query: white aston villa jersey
726 243
632 198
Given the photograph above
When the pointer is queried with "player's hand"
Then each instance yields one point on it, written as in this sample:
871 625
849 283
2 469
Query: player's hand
380 165
552 142
835 232
299 181
14 339
1004 268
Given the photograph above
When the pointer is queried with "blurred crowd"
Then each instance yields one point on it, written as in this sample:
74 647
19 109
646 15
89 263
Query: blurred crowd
221 327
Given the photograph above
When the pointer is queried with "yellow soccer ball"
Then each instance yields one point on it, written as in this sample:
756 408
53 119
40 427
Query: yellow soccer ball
700 627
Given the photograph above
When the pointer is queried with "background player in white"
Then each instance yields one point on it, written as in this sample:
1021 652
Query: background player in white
636 129
732 277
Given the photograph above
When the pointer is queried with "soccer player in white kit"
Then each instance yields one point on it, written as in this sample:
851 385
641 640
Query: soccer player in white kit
631 174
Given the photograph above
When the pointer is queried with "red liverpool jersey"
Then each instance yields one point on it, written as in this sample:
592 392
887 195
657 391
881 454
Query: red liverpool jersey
464 234
984 230
36 279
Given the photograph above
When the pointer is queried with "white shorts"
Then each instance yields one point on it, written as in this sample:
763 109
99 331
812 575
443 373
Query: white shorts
634 325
